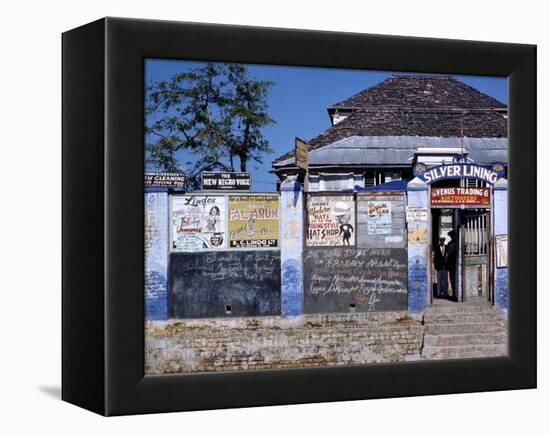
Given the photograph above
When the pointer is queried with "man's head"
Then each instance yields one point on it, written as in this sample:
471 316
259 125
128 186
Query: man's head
441 241
452 234
342 213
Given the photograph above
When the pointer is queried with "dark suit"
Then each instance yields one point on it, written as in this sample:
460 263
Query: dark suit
440 258
450 263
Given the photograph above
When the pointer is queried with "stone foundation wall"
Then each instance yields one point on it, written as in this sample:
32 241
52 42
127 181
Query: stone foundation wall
226 344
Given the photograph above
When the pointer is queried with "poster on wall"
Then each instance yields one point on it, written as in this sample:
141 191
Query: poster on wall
253 221
379 217
417 214
198 223
502 250
331 221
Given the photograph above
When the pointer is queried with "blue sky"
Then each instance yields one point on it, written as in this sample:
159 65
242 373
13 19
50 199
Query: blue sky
299 98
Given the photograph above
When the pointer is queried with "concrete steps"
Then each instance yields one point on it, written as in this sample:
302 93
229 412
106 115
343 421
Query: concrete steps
461 330
453 307
465 339
463 317
464 352
447 328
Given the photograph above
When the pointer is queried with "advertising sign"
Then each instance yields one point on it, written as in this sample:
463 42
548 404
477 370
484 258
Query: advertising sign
416 214
330 220
253 221
502 250
224 181
198 223
378 217
457 196
457 171
165 179
301 151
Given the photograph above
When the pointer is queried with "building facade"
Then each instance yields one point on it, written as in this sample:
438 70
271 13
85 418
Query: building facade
386 137
407 166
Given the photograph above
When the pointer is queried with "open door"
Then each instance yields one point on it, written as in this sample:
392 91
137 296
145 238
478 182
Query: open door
475 236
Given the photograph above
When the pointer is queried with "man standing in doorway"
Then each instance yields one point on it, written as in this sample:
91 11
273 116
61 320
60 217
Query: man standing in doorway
451 260
439 265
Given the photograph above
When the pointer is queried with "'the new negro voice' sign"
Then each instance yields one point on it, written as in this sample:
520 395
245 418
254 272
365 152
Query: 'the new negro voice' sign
226 181
460 196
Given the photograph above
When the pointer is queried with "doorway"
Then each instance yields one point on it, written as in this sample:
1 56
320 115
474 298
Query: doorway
466 258
476 252
444 254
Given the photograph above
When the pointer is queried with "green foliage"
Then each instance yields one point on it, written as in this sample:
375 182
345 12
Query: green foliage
215 111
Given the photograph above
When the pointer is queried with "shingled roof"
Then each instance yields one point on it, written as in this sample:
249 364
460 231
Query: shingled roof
421 91
428 106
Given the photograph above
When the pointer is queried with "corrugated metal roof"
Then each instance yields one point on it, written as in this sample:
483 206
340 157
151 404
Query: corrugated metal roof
408 122
397 150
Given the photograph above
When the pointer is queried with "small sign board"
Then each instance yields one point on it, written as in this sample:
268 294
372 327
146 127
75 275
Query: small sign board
234 181
502 250
458 196
417 214
174 180
301 151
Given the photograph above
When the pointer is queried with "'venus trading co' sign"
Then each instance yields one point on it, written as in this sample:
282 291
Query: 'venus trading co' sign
457 196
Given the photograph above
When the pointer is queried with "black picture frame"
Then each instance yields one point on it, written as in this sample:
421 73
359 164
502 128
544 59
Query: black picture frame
103 203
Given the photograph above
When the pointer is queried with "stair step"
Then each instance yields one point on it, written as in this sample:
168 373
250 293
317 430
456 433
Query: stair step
461 307
465 339
459 317
464 351
477 327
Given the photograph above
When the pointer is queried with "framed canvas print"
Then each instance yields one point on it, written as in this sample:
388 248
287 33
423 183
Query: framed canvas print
258 216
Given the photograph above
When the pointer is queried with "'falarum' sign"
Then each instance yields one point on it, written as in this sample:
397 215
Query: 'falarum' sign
457 171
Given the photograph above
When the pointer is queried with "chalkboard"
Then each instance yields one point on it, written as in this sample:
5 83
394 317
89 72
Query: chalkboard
215 284
360 280
375 232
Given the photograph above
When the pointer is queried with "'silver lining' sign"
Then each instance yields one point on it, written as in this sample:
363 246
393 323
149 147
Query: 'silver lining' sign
458 171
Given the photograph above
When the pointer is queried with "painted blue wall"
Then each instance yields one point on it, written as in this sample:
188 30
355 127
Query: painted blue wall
156 255
418 249
500 212
291 235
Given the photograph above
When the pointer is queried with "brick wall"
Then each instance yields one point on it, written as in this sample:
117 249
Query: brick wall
224 344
